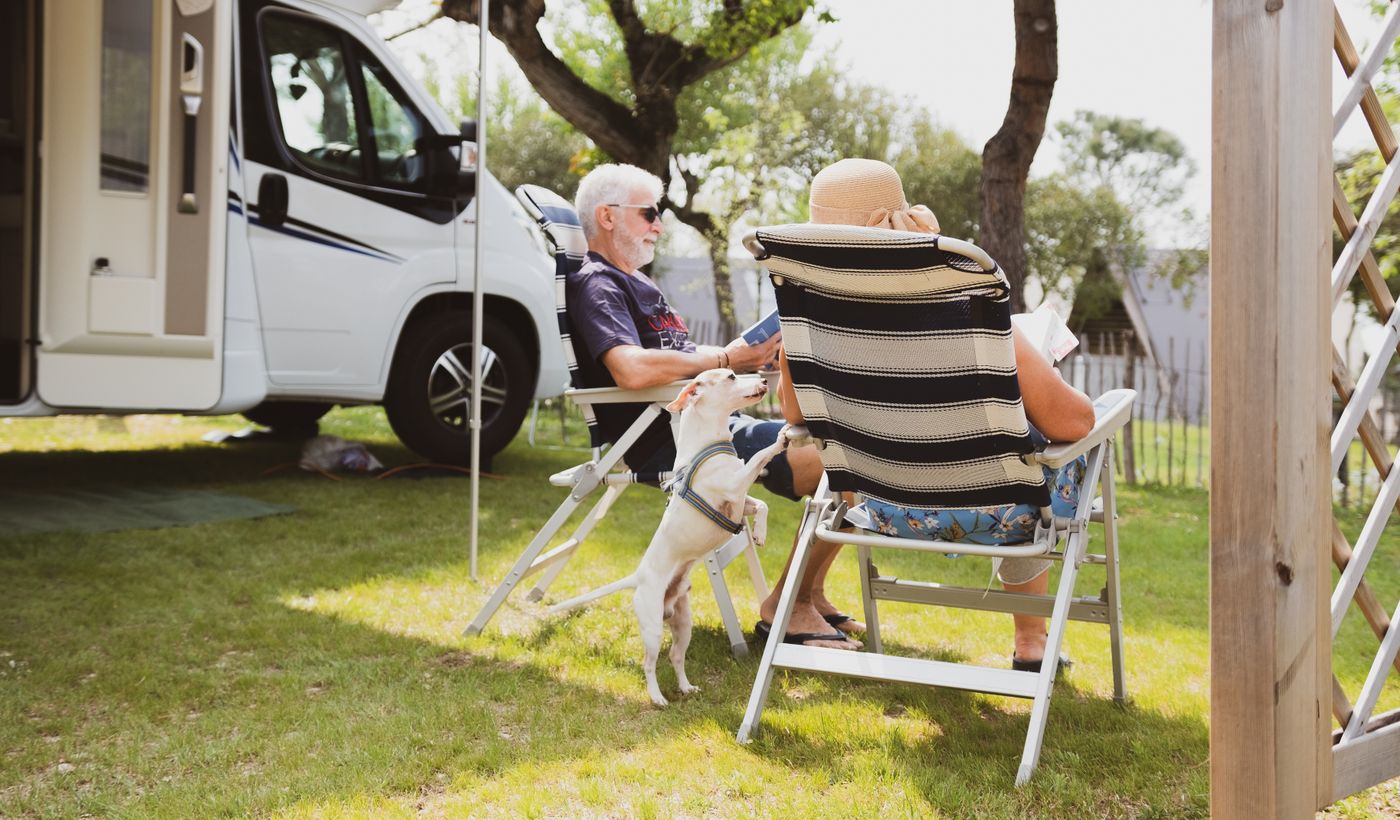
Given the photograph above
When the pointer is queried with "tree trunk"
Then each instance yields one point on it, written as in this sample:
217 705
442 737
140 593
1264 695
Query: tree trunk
1006 159
724 286
717 241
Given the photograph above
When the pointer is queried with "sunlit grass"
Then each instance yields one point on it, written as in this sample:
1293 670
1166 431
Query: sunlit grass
314 664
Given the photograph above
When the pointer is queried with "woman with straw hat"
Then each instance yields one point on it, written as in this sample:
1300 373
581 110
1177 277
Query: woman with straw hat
868 193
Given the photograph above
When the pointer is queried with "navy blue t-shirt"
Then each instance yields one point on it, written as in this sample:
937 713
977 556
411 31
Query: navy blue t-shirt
608 308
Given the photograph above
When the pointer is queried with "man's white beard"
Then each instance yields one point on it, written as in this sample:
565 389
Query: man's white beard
638 251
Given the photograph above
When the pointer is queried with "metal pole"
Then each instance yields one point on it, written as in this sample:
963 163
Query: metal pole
477 302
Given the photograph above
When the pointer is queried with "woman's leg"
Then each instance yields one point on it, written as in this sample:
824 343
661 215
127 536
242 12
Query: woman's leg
1030 629
805 616
806 468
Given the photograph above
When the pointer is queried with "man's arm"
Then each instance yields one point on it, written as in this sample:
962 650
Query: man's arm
634 367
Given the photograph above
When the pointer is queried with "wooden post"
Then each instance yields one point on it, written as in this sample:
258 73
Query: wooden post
1270 518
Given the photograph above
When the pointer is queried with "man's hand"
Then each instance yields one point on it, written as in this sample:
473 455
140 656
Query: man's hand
744 357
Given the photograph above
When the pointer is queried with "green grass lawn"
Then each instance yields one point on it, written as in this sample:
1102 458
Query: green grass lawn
313 664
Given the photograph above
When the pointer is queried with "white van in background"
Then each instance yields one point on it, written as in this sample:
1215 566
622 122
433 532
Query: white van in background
221 206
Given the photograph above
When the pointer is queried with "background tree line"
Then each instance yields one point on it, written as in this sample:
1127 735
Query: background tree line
730 103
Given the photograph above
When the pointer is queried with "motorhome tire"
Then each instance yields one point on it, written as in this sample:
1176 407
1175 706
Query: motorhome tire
429 396
289 418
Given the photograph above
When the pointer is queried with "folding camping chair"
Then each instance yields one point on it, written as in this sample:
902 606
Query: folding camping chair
604 470
900 350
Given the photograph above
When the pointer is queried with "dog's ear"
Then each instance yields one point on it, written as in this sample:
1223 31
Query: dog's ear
689 394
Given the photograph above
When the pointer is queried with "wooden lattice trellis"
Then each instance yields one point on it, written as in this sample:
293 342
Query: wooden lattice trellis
1366 747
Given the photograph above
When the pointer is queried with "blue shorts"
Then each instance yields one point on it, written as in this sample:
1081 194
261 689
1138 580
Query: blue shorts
750 436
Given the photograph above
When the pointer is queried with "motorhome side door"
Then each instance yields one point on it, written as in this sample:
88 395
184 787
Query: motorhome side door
345 226
133 160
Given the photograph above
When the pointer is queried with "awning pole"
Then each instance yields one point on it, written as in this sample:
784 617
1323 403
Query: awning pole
477 301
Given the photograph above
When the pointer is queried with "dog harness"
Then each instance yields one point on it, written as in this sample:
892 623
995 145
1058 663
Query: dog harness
681 487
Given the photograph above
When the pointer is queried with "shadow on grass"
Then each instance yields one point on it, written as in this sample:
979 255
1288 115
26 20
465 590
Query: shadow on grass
1099 758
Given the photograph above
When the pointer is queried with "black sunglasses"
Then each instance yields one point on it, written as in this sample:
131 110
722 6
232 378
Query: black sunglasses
650 213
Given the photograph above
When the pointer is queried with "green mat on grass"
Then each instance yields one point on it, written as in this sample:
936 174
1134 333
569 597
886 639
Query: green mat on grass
103 509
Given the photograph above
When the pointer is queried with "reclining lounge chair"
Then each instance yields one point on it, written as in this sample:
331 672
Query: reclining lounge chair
898 345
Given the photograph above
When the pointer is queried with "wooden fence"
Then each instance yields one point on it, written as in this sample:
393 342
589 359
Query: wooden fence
1168 439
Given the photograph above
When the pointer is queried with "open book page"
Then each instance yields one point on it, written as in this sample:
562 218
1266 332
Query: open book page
1047 331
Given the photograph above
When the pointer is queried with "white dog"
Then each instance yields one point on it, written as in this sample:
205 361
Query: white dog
709 475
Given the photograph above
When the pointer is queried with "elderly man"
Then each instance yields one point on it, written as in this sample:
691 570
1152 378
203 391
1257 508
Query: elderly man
627 335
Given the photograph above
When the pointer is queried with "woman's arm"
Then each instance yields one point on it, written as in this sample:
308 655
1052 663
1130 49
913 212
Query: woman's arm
1057 410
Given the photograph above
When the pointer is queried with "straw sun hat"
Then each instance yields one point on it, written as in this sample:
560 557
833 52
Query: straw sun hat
866 192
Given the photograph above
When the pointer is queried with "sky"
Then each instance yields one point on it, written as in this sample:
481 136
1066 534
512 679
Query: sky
1146 59
955 58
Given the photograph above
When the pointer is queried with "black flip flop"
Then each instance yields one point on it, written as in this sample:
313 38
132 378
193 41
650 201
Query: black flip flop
1035 666
835 619
763 629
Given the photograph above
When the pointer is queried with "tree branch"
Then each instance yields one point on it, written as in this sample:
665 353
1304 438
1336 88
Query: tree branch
516 24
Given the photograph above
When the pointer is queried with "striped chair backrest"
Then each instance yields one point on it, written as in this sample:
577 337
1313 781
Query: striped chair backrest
559 221
903 363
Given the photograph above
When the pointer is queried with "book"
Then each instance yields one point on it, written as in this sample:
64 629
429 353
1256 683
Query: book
763 330
1047 332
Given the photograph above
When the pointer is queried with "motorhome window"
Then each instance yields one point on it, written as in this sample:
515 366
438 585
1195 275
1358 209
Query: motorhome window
126 95
397 128
306 63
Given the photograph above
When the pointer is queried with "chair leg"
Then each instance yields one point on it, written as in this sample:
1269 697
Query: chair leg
764 678
543 537
1111 585
732 628
1059 618
867 595
585 528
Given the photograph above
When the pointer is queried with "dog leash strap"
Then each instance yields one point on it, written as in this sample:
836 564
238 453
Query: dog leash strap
690 497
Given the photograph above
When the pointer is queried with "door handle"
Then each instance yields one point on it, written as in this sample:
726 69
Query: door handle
272 200
191 96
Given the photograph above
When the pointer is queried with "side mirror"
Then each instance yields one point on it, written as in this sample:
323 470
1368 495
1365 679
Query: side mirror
466 167
453 161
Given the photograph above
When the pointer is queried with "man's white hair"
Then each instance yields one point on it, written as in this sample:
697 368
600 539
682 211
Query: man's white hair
612 185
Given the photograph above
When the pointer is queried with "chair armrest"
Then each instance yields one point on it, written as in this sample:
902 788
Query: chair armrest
1111 411
664 393
616 395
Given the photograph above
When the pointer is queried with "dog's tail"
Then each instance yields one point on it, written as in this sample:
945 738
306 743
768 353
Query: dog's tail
629 582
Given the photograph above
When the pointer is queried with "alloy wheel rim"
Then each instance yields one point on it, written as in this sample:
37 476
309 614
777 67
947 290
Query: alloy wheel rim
449 387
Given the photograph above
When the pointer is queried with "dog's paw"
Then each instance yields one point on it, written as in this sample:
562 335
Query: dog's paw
659 700
689 689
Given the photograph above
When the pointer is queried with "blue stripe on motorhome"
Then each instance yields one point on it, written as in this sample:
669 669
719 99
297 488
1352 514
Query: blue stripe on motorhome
282 229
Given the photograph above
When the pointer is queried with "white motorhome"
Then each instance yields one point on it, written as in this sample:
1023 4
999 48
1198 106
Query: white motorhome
220 206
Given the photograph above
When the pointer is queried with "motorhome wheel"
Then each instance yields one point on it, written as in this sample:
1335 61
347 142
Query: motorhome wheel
429 396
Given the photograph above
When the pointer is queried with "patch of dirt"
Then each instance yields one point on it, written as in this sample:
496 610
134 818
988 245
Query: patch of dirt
454 660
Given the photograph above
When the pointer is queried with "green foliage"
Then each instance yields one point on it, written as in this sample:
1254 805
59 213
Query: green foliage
941 171
1089 223
527 142
1146 168
533 144
1073 232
